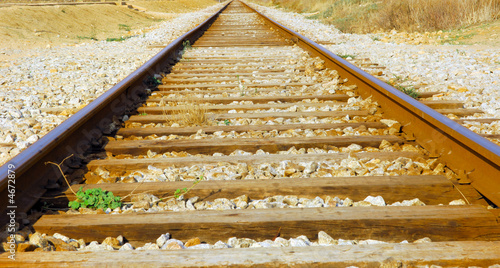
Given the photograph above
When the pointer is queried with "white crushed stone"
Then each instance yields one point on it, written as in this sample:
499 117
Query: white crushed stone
69 77
301 241
244 202
470 74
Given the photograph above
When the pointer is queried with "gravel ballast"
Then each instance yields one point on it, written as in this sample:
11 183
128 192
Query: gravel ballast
70 77
470 74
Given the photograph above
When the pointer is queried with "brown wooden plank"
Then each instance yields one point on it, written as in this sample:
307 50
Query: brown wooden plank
238 49
237 107
212 79
125 164
443 104
242 74
447 254
246 85
223 44
185 65
238 70
256 30
258 99
237 28
249 41
237 53
391 224
491 136
460 112
226 146
255 34
479 120
224 57
211 129
7 144
146 119
321 42
423 95
241 33
242 93
240 39
235 60
430 189
231 39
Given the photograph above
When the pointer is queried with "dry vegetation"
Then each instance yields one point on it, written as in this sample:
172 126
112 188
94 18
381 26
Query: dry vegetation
190 113
37 26
25 26
177 6
437 14
361 16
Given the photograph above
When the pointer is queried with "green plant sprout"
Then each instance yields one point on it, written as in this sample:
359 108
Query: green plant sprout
119 39
186 46
96 199
91 198
345 56
86 37
410 91
124 27
182 191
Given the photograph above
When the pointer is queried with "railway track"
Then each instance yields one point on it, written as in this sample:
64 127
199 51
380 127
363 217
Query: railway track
258 148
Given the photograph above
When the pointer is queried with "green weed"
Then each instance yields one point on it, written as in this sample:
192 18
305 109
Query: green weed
91 198
119 39
179 192
345 56
410 91
455 39
124 27
186 45
86 37
96 199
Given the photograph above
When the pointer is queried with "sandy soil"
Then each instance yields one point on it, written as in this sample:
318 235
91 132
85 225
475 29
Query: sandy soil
176 6
24 27
484 34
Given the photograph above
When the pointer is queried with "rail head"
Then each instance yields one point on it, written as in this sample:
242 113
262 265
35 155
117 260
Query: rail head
479 158
74 135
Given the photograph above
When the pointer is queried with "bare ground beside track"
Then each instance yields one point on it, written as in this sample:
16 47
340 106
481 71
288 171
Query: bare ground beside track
25 27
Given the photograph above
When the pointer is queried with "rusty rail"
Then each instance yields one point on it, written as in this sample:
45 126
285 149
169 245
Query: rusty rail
471 230
75 135
479 163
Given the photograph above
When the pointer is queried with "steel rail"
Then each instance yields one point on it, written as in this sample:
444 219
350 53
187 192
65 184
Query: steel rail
474 158
75 135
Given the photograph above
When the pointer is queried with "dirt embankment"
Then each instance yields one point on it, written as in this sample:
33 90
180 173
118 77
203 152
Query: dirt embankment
416 22
23 27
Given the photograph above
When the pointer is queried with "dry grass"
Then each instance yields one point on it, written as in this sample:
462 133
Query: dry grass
38 26
361 16
177 6
430 15
190 113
